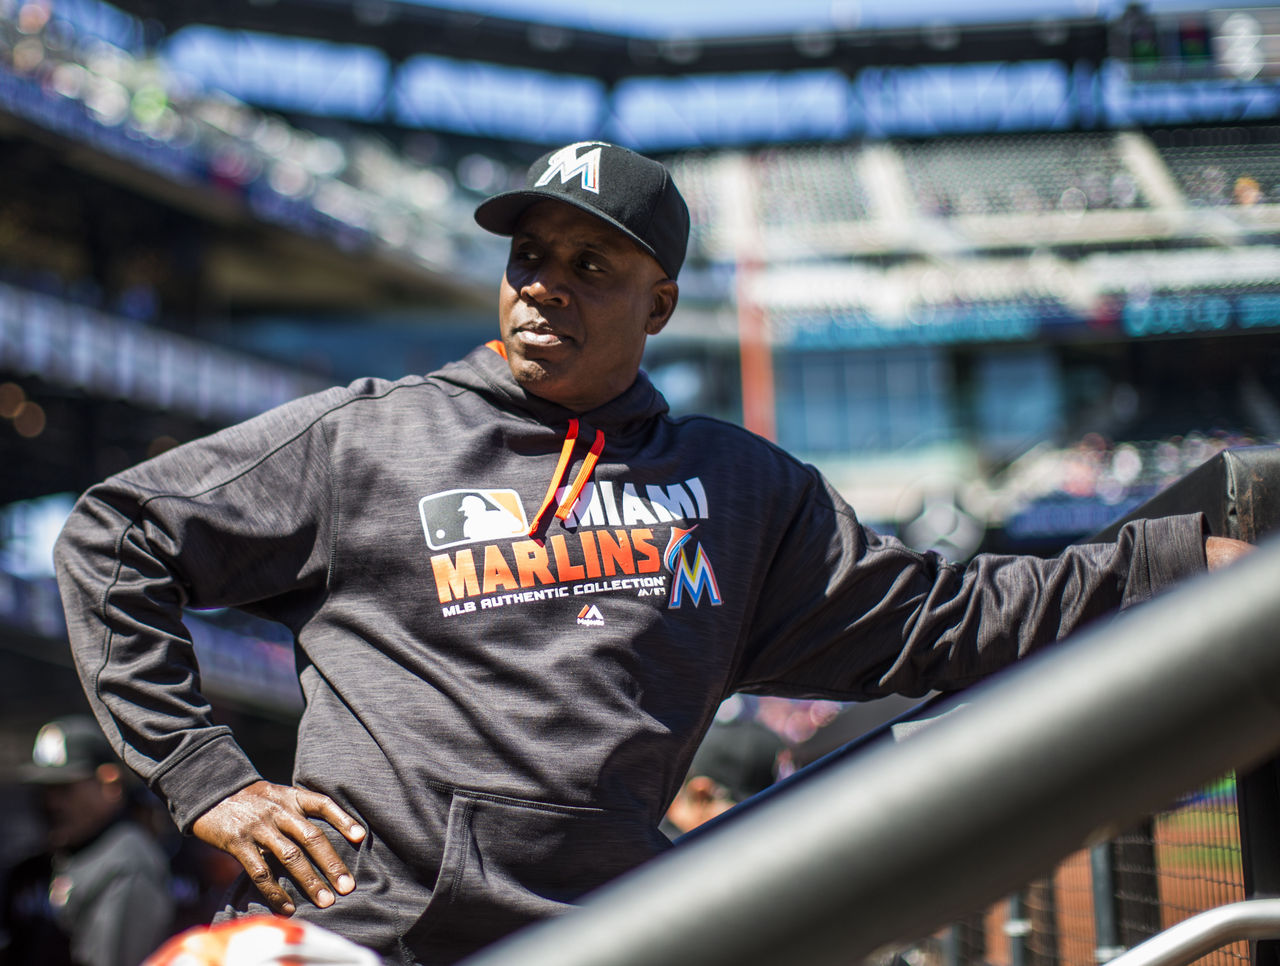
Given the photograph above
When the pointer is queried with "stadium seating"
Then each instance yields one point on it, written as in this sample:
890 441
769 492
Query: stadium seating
355 191
809 186
1020 174
1224 166
359 190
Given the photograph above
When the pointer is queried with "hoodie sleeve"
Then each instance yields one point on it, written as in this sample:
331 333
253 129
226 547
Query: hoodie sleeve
850 614
239 518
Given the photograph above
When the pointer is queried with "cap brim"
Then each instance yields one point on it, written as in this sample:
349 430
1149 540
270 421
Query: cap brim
48 775
501 213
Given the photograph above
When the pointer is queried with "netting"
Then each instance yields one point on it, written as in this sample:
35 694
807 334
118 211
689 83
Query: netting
1175 864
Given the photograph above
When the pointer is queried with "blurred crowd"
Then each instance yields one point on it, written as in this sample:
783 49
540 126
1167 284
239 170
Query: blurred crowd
357 189
1110 471
1030 175
1225 167
415 198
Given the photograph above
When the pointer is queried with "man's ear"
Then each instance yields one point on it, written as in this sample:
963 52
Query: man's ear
665 295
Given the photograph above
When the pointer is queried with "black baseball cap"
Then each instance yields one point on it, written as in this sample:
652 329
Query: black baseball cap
66 750
741 756
633 193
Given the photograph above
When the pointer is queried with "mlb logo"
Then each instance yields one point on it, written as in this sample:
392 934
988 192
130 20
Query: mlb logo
457 517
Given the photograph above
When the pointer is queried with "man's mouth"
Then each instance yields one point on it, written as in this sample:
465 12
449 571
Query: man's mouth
541 334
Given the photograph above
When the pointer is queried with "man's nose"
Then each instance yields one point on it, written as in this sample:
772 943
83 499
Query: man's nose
546 285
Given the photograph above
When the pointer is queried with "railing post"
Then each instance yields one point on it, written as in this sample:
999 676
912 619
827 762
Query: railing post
1017 927
951 946
1106 928
1136 889
1253 511
1239 492
1258 805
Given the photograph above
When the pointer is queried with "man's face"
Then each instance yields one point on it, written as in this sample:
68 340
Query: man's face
76 811
578 300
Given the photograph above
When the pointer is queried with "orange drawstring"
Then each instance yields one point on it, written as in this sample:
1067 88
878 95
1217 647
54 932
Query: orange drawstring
565 453
584 474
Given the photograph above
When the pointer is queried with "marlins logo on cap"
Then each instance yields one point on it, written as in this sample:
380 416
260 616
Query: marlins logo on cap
567 163
633 193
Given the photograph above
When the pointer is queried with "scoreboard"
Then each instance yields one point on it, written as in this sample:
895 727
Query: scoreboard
1231 43
1246 42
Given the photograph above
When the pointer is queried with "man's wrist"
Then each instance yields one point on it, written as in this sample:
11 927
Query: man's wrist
211 773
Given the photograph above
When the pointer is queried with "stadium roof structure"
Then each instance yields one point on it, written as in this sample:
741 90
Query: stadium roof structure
403 30
485 69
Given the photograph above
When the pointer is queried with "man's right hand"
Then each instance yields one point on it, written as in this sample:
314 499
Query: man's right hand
264 818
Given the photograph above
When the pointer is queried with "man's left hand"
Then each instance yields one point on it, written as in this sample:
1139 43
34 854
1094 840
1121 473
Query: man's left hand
1220 551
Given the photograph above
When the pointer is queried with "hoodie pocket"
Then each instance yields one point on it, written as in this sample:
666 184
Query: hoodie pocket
509 862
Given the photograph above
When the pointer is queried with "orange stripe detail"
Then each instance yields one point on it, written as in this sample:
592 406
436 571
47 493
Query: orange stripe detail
497 346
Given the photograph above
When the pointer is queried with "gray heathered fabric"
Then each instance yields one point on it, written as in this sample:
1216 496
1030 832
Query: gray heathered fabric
510 758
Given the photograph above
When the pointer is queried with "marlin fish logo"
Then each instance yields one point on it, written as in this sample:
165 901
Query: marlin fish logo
692 579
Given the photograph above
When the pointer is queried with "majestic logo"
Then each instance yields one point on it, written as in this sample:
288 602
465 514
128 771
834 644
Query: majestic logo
567 163
590 616
693 579
471 516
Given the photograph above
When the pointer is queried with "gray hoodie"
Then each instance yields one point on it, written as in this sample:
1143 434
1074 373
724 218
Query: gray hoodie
508 714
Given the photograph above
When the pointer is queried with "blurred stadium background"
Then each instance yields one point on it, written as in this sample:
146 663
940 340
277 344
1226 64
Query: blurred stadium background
1002 273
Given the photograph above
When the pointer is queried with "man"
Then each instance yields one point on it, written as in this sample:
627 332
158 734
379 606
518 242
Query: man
98 895
493 727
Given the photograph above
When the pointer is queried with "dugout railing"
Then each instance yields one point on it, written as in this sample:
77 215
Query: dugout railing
887 841
1214 846
1239 492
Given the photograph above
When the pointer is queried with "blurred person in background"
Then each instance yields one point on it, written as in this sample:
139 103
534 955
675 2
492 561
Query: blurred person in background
496 721
737 759
98 894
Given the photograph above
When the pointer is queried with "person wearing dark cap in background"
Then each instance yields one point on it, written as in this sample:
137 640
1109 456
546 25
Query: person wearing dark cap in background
98 894
497 717
736 759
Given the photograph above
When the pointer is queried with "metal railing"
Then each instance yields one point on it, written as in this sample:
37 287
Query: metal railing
880 847
1218 845
1192 938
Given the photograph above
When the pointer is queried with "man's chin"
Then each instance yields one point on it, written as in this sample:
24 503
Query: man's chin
538 378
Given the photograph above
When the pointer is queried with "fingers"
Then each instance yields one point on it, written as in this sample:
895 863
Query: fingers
306 850
259 872
318 847
322 806
1221 551
264 821
299 851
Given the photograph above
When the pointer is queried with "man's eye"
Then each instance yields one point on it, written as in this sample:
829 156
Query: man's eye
590 266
